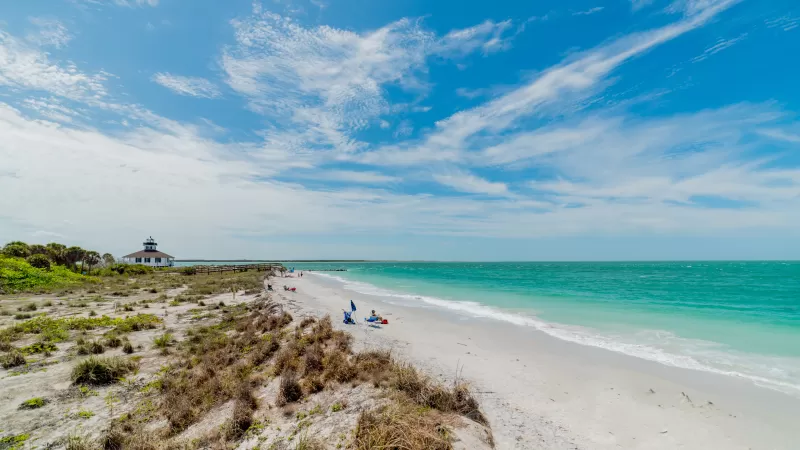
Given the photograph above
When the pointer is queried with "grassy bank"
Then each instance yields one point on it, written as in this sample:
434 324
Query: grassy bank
17 275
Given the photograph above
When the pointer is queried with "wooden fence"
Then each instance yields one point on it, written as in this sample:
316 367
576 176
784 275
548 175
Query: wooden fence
237 268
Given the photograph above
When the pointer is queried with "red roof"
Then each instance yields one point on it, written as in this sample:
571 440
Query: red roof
145 254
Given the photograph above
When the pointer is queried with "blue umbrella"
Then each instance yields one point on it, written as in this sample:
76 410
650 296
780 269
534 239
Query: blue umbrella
352 306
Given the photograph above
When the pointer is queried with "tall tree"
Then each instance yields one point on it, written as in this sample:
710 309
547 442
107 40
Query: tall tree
57 253
92 258
109 259
38 249
73 255
17 249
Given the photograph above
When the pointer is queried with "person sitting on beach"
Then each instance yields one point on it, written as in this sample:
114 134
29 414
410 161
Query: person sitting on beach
374 316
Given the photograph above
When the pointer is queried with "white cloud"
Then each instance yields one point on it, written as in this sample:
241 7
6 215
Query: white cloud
786 23
189 86
466 182
589 11
639 4
25 67
575 79
352 176
384 124
487 37
404 129
51 108
124 3
719 46
50 32
325 83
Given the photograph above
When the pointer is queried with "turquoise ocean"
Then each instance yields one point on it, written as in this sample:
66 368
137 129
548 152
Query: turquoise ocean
736 318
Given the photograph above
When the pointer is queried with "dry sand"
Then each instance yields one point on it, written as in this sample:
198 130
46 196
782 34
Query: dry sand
543 393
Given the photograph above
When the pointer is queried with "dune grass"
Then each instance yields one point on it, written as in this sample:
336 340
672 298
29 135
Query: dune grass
57 330
99 370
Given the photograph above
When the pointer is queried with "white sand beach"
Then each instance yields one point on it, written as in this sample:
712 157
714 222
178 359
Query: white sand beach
543 393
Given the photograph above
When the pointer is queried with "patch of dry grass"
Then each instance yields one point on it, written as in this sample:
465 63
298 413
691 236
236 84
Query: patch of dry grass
401 425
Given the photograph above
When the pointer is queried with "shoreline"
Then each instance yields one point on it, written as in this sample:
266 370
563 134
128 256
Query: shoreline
542 392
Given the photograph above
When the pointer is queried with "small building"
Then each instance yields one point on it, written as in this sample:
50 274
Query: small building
150 256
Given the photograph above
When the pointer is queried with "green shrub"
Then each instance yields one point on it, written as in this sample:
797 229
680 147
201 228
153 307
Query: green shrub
164 341
39 347
36 402
21 316
130 269
127 348
17 249
17 275
84 414
191 270
28 307
95 347
113 341
98 370
58 327
14 442
39 262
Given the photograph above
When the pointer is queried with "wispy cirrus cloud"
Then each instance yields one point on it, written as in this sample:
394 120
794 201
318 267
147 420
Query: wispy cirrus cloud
589 11
576 78
463 181
188 86
23 66
124 3
719 46
488 37
50 32
786 23
323 84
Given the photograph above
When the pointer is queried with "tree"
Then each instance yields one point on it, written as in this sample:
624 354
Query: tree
72 255
109 259
57 253
38 249
39 261
17 249
91 258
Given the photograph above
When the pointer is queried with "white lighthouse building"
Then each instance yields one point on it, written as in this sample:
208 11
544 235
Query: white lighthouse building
150 256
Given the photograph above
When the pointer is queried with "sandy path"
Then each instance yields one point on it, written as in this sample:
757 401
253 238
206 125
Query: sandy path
542 393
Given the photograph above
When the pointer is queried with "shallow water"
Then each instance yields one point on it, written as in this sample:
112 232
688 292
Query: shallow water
737 318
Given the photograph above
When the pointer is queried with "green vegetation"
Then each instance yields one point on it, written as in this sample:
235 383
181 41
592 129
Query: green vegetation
128 269
15 442
164 341
99 370
34 403
55 330
28 307
39 347
18 275
12 359
39 262
85 414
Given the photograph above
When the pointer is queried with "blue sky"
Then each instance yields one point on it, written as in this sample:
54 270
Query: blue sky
550 130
